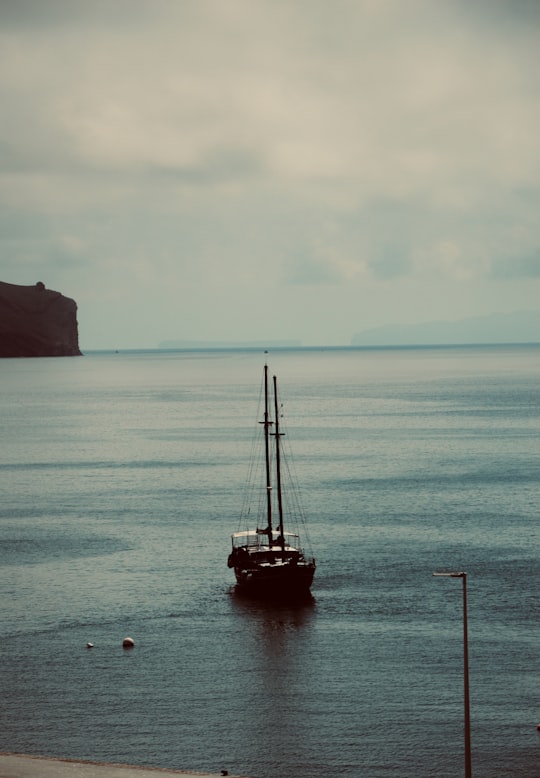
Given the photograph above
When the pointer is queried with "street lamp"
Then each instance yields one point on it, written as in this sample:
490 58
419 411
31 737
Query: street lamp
467 715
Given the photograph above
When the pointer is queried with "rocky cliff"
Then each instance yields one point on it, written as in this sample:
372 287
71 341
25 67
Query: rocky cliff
37 322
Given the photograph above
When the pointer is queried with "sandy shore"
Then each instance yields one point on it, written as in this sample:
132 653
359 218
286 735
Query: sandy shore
26 766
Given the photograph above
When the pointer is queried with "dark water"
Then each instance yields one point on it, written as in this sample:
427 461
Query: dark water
122 478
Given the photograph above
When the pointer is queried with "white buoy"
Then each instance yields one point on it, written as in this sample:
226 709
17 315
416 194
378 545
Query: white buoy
128 642
89 645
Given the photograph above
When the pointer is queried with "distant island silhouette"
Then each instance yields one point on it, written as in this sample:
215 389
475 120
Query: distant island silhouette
519 327
37 322
224 344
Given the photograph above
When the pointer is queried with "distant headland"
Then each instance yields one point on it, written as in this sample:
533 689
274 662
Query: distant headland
37 322
222 344
518 327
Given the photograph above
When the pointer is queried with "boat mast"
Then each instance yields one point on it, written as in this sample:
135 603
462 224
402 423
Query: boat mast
267 424
278 467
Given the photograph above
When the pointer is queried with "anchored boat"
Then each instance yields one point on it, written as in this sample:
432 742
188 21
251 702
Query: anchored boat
270 558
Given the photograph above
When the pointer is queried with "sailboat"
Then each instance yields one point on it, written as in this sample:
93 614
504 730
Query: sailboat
270 558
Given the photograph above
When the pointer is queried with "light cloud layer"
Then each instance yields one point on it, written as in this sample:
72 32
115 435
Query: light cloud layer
287 170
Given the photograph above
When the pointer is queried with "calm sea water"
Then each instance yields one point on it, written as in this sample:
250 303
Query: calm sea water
122 478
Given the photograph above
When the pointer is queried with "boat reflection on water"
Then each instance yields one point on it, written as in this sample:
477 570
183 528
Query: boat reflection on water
272 603
277 640
275 629
277 633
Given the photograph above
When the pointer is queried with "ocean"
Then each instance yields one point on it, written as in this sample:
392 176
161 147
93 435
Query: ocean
122 478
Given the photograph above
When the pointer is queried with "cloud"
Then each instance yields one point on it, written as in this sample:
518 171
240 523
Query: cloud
518 266
352 146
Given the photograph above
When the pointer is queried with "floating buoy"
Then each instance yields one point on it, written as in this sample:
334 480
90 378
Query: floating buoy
128 642
538 727
89 645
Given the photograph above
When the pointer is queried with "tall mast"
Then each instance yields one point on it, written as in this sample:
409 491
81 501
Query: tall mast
267 424
278 466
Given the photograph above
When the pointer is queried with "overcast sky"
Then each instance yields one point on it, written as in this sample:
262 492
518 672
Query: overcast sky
270 169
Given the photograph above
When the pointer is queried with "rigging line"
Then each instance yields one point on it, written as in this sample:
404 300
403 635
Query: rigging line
297 503
254 464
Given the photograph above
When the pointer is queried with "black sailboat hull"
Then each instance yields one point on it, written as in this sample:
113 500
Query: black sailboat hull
291 580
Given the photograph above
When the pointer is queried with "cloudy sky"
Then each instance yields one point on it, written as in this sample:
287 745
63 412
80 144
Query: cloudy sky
270 169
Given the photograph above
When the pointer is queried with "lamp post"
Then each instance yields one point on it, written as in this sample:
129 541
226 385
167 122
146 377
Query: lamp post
467 715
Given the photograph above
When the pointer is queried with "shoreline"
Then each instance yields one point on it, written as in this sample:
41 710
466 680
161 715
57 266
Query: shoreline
13 765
